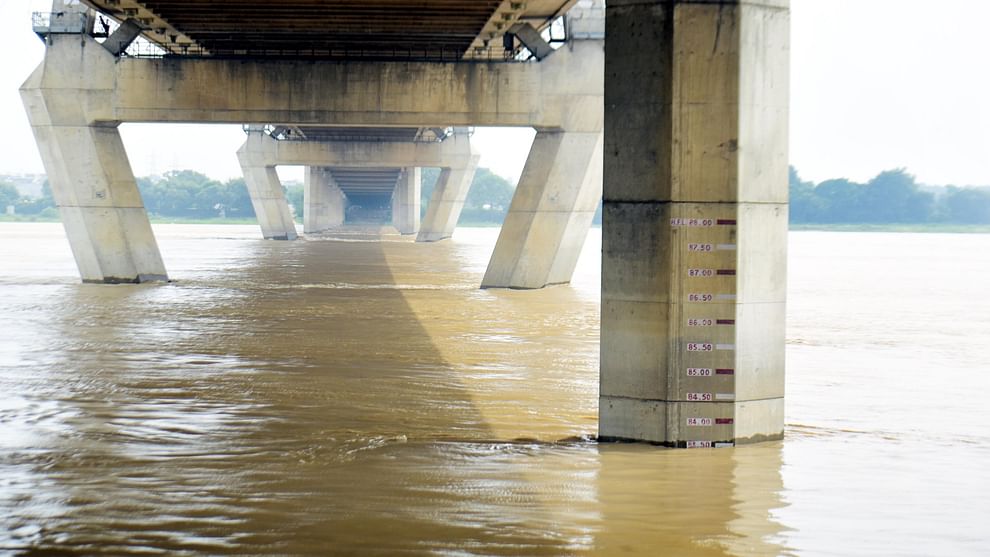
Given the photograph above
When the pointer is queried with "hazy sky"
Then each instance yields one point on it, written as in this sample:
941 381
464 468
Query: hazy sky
876 84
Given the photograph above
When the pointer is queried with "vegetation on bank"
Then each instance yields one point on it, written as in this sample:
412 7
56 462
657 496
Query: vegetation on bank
191 197
892 198
892 201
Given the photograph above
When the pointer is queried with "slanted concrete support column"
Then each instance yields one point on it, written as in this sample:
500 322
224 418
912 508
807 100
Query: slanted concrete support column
560 186
88 170
265 189
450 192
695 221
551 212
405 201
324 204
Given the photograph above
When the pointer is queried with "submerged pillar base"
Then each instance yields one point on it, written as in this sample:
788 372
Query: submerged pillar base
694 235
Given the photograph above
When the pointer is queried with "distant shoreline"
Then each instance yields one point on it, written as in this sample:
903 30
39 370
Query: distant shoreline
934 228
944 228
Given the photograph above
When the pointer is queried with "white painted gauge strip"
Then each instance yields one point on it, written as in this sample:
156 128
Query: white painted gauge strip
725 296
726 247
725 347
725 396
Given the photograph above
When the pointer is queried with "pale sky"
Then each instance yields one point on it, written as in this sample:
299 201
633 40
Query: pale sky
875 84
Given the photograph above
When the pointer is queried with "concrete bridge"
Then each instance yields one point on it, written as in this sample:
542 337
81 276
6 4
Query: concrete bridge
681 115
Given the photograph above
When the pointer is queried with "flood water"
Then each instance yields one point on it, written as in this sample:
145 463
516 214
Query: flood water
347 396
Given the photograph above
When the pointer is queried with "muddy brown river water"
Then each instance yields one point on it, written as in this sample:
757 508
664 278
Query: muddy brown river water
357 395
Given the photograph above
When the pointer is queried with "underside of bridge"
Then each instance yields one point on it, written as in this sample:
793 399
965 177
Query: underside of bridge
411 29
686 127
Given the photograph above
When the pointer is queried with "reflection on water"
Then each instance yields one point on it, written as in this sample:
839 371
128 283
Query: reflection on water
326 396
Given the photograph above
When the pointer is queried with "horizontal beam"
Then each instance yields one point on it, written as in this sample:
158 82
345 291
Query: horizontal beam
341 93
453 152
563 92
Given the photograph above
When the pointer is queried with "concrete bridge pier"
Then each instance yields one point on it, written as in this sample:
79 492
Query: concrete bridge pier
450 192
695 222
561 183
266 191
90 176
551 211
324 204
406 202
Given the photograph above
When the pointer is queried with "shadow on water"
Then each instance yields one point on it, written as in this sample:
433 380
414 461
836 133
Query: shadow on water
287 399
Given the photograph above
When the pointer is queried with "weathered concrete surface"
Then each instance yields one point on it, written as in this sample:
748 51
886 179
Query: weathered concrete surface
455 151
88 170
324 205
450 191
547 95
551 212
405 201
557 194
267 195
695 223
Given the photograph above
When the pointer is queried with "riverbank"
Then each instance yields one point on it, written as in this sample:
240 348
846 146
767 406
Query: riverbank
178 220
934 228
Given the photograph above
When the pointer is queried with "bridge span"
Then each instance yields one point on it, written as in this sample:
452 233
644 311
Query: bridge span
678 123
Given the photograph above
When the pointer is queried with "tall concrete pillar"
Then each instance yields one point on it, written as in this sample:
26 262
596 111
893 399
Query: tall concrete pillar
450 192
551 212
265 189
695 222
323 203
88 170
405 201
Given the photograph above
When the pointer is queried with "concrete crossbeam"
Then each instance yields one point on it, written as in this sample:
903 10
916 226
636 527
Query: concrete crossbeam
449 153
546 95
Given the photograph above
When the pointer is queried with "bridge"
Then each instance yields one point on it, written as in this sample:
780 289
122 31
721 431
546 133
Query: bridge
678 123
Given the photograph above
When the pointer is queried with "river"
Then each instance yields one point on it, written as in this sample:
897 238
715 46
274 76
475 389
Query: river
356 396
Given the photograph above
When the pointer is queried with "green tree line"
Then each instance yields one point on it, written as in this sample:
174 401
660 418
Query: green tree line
487 201
891 197
190 194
